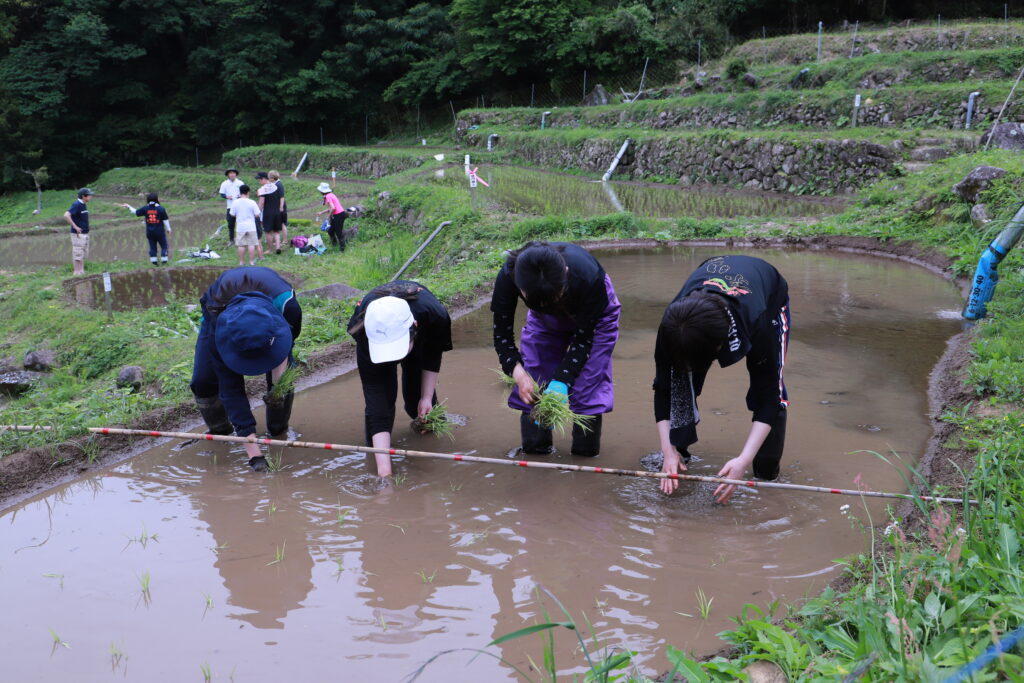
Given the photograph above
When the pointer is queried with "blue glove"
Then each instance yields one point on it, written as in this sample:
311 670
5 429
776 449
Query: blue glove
560 388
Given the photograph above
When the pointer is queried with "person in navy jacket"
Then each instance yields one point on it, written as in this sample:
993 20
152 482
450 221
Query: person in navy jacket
731 307
251 320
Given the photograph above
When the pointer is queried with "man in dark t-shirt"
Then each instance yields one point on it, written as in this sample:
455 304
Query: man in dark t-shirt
78 217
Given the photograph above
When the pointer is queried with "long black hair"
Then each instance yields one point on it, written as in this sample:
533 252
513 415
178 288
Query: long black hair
540 274
695 326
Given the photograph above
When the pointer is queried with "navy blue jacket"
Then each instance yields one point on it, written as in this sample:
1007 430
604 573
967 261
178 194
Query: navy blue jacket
213 302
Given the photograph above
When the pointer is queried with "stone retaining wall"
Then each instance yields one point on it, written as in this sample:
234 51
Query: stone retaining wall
825 166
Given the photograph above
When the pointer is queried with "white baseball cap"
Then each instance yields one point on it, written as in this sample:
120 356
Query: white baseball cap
387 324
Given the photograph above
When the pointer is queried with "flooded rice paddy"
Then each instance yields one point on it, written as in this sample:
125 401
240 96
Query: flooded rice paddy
181 561
541 192
132 289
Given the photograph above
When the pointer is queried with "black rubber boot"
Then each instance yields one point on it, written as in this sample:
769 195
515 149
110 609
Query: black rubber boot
587 441
214 415
536 439
279 411
766 462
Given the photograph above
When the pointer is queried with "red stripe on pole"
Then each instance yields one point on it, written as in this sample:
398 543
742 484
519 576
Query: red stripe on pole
673 476
154 433
751 484
105 431
392 451
269 442
327 446
209 437
522 463
457 457
834 491
599 469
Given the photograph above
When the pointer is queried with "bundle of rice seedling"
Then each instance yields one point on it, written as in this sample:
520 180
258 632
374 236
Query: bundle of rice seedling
436 422
552 411
506 381
285 384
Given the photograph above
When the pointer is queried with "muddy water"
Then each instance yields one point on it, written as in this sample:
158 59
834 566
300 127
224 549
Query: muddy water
143 288
313 573
532 191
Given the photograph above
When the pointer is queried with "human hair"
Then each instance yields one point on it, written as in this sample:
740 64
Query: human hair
273 175
244 189
152 198
695 326
539 271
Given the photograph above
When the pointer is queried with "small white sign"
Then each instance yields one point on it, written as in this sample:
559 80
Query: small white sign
856 101
106 282
472 179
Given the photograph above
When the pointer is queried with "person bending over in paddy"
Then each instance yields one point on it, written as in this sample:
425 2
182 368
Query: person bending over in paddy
251 320
731 307
400 323
158 226
572 324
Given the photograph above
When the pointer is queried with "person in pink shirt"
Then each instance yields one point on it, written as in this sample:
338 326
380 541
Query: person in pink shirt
338 215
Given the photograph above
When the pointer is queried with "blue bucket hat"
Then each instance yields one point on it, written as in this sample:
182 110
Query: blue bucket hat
252 336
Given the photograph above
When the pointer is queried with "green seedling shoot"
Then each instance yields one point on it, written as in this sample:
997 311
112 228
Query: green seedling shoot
285 384
278 554
117 657
58 641
425 577
436 422
704 604
550 411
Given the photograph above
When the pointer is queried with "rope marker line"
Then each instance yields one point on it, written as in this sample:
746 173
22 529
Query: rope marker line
463 457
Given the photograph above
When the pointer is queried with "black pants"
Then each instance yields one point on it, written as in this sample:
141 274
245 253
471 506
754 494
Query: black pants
157 238
380 390
231 227
766 462
336 231
538 440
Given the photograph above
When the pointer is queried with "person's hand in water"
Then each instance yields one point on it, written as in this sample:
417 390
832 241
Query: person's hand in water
672 463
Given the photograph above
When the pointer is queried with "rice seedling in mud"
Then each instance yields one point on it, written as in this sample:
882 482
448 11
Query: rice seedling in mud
278 554
118 658
208 601
145 596
58 641
59 577
425 577
602 662
704 604
436 422
206 671
142 539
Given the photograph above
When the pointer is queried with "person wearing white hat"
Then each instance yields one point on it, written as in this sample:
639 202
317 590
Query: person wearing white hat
338 215
400 323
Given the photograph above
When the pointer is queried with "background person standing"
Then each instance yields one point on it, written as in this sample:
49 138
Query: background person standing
158 226
229 191
78 217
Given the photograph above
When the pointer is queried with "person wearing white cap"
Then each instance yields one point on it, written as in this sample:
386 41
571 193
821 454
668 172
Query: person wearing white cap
400 323
338 215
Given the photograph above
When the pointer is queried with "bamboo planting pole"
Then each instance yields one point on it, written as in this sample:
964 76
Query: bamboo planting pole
459 457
